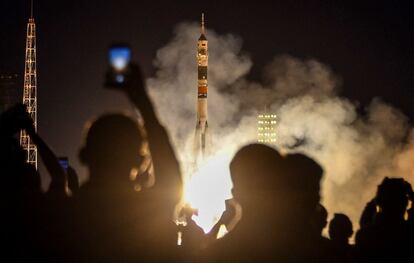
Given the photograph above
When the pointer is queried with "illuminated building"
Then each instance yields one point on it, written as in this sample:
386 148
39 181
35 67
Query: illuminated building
266 128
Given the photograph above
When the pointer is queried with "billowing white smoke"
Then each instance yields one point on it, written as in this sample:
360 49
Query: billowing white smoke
355 151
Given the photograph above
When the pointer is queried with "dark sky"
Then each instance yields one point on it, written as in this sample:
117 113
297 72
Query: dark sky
369 44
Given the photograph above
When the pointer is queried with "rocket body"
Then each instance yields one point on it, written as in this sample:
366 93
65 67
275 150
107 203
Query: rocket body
202 91
202 61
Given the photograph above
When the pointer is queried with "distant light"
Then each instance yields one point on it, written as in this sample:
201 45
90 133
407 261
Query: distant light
266 128
120 78
137 187
179 238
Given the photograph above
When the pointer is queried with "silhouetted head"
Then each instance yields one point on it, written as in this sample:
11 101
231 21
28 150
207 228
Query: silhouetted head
254 171
303 176
340 228
112 146
320 218
392 197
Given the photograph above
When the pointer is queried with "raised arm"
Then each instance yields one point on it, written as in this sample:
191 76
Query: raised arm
51 162
166 167
16 119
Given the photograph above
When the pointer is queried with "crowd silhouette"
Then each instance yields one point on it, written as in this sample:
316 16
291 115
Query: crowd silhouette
124 215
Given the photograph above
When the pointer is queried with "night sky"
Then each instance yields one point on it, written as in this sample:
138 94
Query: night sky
370 45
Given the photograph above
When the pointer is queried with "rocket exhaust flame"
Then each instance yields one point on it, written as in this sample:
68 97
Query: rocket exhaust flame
208 188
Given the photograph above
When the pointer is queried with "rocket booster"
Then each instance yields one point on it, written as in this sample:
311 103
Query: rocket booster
202 64
202 88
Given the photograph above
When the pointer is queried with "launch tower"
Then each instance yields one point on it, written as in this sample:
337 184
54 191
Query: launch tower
30 89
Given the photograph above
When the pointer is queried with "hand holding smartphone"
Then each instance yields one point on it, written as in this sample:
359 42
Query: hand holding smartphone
119 57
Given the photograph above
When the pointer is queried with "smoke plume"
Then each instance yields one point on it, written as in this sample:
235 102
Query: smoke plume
355 150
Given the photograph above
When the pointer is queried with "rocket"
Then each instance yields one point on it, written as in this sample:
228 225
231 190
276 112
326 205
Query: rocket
202 88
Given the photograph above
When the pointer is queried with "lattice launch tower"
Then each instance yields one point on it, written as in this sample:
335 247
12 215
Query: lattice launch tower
30 88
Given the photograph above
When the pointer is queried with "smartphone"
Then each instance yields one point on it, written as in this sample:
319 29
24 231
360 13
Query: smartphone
119 59
64 162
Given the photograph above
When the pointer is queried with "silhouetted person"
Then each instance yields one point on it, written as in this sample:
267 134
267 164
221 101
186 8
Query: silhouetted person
17 119
192 236
389 236
278 196
368 214
116 221
410 212
340 230
319 221
230 217
303 176
31 216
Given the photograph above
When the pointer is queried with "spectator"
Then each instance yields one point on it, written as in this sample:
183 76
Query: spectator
340 230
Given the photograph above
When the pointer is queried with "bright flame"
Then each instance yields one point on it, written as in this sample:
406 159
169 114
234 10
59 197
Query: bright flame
208 188
222 231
